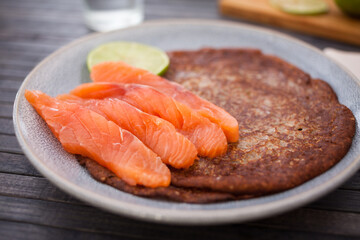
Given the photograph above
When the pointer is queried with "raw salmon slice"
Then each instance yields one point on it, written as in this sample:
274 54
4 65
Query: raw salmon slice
121 72
159 135
207 137
85 132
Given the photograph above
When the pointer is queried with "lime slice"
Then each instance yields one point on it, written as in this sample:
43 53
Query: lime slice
135 54
301 7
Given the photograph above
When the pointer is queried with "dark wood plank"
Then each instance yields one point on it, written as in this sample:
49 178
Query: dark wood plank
25 46
8 84
33 37
14 56
24 66
73 19
40 188
17 163
73 217
42 12
41 4
9 144
44 7
305 219
6 109
73 29
206 6
174 6
7 95
16 64
18 73
32 187
6 126
29 56
178 10
343 200
26 231
353 183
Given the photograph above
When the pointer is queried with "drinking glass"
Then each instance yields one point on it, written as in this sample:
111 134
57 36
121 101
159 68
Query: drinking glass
107 15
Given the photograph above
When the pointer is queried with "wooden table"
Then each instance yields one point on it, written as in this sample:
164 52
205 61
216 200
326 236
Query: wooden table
33 208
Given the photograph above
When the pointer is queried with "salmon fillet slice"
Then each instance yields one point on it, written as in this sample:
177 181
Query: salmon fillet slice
157 134
121 72
85 132
207 137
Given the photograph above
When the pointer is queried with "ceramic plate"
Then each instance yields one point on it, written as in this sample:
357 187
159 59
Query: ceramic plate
65 69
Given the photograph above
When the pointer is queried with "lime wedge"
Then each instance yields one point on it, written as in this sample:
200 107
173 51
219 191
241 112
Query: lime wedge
136 54
301 7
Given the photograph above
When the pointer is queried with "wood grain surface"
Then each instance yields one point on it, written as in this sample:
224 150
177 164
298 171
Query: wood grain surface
32 208
334 24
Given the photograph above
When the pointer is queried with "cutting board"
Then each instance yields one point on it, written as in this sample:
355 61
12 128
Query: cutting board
334 24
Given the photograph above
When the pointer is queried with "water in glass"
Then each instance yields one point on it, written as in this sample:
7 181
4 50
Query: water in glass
107 15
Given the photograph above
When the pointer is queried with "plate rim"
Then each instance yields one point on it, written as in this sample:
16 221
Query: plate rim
174 216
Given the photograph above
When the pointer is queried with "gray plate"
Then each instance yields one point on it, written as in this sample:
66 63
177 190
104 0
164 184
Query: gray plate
65 69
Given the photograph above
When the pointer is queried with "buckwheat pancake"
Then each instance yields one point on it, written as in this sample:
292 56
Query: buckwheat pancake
190 195
292 127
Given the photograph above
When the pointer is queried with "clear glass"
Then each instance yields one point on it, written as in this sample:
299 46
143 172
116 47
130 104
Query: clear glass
107 15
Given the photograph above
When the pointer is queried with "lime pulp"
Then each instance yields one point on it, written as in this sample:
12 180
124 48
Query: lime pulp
135 54
301 7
